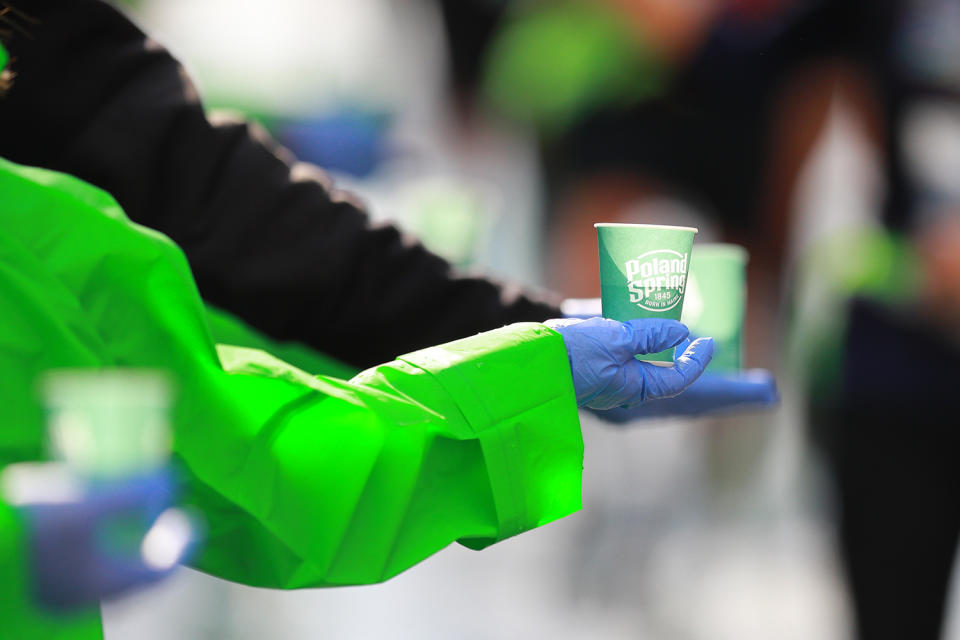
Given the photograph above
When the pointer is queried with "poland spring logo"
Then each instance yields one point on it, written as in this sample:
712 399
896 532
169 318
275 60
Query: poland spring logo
656 279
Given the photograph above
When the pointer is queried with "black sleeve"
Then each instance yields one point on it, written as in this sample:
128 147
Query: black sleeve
267 239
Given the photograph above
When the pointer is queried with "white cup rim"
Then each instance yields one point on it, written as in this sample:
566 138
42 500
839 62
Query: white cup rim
597 225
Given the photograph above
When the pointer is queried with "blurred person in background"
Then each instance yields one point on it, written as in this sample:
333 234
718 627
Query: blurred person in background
716 105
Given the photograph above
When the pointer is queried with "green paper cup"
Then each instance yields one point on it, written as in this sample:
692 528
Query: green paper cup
643 273
716 301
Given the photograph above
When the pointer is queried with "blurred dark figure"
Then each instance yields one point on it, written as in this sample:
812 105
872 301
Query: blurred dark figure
735 95
470 25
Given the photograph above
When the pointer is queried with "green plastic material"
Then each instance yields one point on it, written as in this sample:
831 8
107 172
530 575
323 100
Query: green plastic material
4 57
643 273
304 480
716 299
226 328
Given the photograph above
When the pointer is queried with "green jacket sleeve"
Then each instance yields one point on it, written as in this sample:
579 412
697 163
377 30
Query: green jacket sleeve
226 328
353 482
304 480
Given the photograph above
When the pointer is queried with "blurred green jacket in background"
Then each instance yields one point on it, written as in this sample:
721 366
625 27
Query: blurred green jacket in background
303 480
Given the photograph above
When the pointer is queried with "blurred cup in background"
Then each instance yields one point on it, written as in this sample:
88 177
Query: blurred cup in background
109 423
716 301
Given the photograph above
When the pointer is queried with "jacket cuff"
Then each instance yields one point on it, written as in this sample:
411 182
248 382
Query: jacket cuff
514 389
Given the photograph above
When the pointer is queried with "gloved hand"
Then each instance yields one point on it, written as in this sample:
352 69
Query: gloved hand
710 394
82 551
605 372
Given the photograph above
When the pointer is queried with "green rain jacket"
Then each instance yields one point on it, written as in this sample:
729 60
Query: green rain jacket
304 480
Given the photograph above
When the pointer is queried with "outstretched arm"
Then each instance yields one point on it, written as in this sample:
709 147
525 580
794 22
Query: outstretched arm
267 239
305 481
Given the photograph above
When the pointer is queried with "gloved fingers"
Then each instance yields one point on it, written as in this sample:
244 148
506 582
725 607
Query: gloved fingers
651 335
683 346
627 384
666 382
170 542
710 394
755 386
172 539
636 387
692 362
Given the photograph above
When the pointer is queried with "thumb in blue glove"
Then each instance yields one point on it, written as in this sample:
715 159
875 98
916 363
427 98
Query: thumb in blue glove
80 551
605 372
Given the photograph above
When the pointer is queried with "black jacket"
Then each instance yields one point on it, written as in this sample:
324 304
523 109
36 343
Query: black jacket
267 238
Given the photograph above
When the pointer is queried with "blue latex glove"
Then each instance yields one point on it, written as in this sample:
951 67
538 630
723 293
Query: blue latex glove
711 394
82 551
605 372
